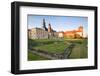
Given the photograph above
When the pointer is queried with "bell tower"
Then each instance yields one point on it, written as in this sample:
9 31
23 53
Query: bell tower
49 28
81 29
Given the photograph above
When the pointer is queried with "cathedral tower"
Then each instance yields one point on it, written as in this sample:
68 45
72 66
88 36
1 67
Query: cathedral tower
49 28
81 29
44 25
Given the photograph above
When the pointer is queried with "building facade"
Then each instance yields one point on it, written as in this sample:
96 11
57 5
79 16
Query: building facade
38 33
42 33
48 32
78 33
61 34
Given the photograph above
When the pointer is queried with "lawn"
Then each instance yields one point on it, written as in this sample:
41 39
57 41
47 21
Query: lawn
32 56
58 46
54 46
80 50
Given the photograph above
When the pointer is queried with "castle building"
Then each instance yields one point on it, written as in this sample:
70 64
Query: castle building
45 33
78 33
42 33
38 33
61 34
75 33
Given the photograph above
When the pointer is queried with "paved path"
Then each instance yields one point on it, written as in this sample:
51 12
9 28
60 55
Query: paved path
68 51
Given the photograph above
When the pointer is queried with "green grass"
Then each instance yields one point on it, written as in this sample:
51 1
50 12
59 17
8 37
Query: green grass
80 50
32 56
54 46
57 46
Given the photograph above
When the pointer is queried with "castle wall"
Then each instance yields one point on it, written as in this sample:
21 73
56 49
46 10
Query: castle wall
38 33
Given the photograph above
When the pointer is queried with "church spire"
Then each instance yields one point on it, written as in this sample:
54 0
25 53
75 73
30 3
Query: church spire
44 25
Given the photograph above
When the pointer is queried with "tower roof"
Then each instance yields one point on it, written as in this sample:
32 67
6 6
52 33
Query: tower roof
81 26
44 25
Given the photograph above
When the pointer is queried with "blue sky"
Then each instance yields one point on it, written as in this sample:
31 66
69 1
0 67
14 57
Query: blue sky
58 23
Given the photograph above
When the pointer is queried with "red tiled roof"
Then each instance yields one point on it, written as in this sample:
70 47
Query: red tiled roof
73 31
78 31
69 32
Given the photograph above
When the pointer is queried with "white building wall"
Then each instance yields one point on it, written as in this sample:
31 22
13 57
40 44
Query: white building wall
79 33
60 35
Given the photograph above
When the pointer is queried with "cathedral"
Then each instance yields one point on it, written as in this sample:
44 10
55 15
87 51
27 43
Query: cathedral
49 33
42 33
